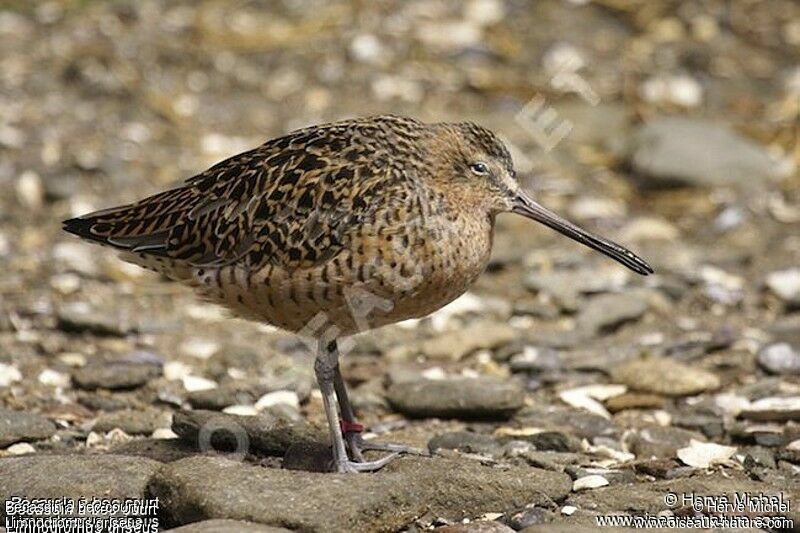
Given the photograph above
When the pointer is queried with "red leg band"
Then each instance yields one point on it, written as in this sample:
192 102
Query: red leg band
351 427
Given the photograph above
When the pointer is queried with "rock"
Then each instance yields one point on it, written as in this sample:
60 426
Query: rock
78 318
455 345
786 285
672 150
773 409
264 433
20 448
705 454
530 516
465 441
556 441
593 481
9 374
660 442
219 398
161 450
634 400
19 426
581 424
224 525
208 487
114 376
481 526
664 376
75 476
780 358
468 398
608 311
534 358
132 421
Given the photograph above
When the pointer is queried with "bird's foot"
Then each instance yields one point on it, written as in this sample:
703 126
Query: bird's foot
348 466
356 444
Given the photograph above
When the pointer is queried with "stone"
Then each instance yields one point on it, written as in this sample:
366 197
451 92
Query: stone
779 358
467 398
219 398
19 426
530 516
77 318
593 481
660 442
634 400
481 526
581 424
465 441
672 150
786 285
773 409
75 476
132 421
224 525
200 488
705 454
606 312
455 345
265 433
114 376
664 376
161 450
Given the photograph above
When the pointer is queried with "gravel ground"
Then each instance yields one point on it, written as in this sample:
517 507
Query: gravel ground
560 388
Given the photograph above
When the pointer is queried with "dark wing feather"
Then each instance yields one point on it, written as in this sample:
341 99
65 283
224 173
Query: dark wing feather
290 202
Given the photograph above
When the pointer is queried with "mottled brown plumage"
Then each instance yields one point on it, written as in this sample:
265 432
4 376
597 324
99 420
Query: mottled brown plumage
354 224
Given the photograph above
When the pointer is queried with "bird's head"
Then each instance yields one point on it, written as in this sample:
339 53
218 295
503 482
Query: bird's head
475 166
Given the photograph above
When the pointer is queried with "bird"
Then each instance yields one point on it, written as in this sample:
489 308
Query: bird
335 229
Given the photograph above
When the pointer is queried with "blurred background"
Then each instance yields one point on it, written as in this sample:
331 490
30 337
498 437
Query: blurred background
671 126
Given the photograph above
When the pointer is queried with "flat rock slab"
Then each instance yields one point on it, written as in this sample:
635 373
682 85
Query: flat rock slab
466 398
19 426
200 488
75 476
222 525
664 376
265 433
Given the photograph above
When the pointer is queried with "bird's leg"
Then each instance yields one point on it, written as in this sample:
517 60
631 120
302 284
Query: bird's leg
351 429
326 367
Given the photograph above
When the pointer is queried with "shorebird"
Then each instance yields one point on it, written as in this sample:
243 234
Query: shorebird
335 229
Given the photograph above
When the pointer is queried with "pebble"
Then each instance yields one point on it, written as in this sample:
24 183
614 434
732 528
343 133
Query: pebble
773 409
77 257
114 376
30 190
52 378
20 448
660 442
194 383
470 398
224 525
465 441
780 358
660 375
9 374
705 454
79 318
281 397
593 481
786 285
132 421
608 311
680 90
535 358
198 348
455 345
698 153
20 426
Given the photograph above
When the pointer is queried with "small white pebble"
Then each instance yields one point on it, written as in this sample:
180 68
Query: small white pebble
9 374
93 439
20 448
568 510
176 370
30 190
164 433
53 378
196 383
73 359
241 410
592 481
272 399
199 348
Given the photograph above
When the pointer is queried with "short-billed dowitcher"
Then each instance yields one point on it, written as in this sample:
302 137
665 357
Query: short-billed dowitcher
335 229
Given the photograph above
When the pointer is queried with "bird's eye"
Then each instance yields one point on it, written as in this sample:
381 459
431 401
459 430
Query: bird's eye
479 168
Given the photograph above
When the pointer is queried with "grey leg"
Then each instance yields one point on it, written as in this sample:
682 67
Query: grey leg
326 367
355 443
